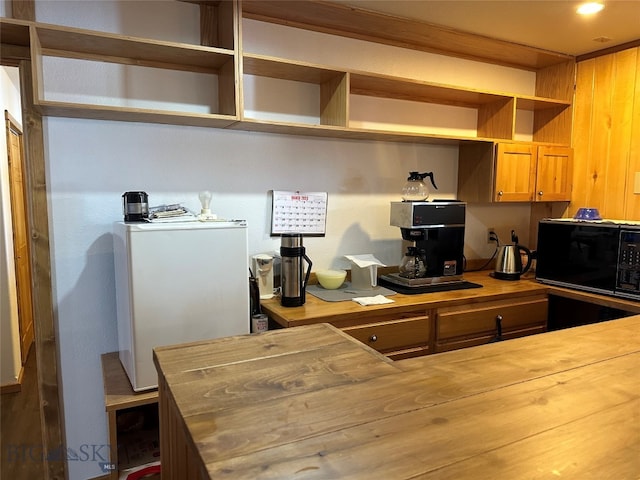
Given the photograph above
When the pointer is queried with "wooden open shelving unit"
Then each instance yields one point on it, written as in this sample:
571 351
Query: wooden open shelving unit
220 55
496 111
72 43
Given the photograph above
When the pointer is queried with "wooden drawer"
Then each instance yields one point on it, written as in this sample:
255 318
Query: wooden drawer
473 324
394 335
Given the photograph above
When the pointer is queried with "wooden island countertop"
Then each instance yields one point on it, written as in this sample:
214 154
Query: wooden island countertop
313 403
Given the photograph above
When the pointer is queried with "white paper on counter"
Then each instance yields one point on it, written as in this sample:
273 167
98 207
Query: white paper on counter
377 300
364 260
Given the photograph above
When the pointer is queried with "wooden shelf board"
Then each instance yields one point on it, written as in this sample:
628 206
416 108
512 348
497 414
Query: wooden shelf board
14 32
99 112
77 43
539 103
353 22
60 109
118 393
213 3
350 133
287 70
370 84
416 90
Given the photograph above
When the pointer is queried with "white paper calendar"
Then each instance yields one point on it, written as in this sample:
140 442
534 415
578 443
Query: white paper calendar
299 212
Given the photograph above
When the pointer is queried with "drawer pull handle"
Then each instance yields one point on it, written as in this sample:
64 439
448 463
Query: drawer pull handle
373 338
498 335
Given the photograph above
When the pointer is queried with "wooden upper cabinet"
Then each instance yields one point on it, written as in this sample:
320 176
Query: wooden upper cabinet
514 172
515 166
554 174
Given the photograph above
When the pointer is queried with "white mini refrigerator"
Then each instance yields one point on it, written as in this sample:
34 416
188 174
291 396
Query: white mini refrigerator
177 282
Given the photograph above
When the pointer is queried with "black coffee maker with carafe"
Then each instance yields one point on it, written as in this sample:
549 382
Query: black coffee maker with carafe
433 234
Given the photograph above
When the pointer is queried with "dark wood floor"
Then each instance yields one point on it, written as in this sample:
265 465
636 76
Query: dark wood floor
21 438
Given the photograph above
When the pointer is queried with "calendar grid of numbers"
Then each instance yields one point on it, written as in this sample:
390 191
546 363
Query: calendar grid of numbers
299 212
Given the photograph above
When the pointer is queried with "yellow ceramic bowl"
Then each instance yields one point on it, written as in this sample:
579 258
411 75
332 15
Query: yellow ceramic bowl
331 279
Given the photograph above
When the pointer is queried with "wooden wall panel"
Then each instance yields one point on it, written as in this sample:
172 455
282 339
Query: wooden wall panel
622 96
633 199
605 128
584 174
556 81
600 138
24 9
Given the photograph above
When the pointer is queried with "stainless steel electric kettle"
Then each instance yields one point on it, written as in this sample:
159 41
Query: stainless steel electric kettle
509 260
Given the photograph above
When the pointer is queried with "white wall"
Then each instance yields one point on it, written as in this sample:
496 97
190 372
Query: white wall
91 163
10 361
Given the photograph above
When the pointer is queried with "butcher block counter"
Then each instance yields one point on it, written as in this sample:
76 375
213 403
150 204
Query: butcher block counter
314 403
316 310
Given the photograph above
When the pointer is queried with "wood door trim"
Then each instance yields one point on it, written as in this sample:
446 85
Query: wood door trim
46 341
53 441
13 387
21 227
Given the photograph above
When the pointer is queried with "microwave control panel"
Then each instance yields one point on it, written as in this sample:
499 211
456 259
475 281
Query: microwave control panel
629 261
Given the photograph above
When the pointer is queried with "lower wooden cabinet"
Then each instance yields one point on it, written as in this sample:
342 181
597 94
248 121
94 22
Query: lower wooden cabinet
422 332
483 322
425 324
514 172
400 335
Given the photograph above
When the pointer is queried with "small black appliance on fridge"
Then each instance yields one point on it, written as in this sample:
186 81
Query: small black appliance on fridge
135 206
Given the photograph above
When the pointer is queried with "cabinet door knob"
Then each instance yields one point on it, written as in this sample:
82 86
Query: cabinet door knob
540 193
373 338
500 193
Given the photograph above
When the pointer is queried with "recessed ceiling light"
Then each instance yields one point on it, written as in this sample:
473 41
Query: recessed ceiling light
590 8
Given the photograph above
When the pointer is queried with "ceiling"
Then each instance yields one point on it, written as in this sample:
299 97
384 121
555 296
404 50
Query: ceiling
548 24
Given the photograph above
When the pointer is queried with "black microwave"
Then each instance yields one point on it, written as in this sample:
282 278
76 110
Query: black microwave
600 257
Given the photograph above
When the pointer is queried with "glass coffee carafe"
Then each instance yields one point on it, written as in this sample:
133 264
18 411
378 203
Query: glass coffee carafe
415 190
413 264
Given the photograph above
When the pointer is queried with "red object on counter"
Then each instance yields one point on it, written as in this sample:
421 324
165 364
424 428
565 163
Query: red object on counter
140 474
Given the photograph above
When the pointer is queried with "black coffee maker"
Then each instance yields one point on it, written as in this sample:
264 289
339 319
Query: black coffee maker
135 207
293 279
433 234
